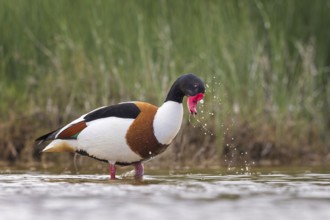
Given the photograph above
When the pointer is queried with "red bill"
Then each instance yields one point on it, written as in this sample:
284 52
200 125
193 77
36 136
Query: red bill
192 102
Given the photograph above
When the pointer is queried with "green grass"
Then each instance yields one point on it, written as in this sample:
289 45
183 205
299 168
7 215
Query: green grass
267 63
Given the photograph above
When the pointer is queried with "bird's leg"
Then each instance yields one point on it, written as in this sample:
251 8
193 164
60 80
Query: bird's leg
112 169
139 170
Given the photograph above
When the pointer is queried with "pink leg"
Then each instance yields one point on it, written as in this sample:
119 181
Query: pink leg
112 171
139 170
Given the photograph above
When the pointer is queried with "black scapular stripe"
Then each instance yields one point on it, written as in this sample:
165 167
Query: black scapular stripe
124 110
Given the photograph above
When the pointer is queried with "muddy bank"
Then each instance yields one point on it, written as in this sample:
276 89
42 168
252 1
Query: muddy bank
242 144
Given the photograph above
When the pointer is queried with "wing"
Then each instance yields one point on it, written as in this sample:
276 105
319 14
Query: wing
72 130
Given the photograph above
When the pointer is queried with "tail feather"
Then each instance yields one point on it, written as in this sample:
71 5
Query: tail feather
61 146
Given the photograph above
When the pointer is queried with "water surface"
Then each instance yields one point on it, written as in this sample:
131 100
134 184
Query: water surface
182 196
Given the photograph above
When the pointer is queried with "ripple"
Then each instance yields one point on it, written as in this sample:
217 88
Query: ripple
193 196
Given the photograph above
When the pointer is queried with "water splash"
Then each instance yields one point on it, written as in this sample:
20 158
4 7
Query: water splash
210 112
203 116
201 123
238 160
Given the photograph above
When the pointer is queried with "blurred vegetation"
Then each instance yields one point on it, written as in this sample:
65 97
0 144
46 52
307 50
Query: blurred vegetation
266 64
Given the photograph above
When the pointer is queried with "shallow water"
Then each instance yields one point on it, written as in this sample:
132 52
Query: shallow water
195 196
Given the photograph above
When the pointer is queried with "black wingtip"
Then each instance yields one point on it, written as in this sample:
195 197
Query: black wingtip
46 137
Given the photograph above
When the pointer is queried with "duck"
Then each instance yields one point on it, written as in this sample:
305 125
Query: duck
128 133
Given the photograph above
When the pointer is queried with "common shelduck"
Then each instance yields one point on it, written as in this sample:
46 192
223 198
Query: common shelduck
128 133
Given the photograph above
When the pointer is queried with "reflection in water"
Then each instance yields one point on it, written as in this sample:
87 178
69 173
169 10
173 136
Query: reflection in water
274 196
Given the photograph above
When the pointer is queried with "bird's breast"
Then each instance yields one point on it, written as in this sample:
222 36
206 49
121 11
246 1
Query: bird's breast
167 121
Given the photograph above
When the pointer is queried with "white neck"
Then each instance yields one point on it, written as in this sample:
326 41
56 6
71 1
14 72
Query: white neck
167 121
